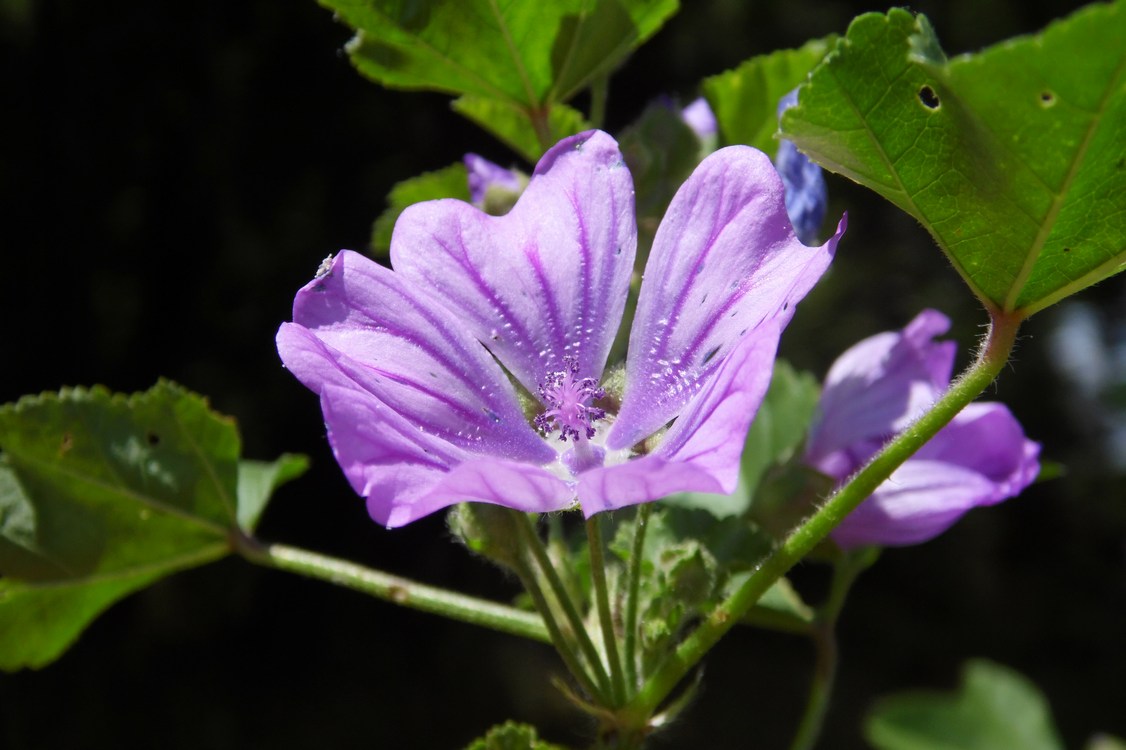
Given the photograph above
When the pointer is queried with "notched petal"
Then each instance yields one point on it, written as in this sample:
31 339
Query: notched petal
548 279
724 261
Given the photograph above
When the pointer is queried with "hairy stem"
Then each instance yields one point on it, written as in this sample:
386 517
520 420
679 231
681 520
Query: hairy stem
392 588
807 535
602 601
633 592
824 637
534 544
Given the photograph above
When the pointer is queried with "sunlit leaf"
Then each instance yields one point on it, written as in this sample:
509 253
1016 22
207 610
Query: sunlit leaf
1012 158
527 54
745 99
102 494
994 707
512 127
449 182
257 481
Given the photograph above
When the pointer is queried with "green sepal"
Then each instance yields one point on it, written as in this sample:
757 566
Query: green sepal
512 735
489 531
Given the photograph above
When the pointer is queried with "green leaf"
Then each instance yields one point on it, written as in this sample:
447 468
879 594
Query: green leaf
525 54
450 182
778 429
994 708
512 127
257 481
745 99
661 151
512 736
1012 158
780 608
100 495
689 563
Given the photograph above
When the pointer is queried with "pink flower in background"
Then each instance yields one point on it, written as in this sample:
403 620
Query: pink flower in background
877 388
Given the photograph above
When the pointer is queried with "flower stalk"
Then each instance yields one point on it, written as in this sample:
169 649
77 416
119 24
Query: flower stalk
579 635
602 602
992 357
395 589
824 636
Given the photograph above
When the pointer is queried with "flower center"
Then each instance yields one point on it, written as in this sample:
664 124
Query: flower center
568 398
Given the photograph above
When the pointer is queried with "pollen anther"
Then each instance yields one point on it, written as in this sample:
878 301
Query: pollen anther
568 400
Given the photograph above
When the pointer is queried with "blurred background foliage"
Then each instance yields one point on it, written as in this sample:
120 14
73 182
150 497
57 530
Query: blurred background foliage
170 175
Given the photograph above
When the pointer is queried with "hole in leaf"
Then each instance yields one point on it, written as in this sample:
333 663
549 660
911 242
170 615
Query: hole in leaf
929 98
1067 249
1047 99
152 439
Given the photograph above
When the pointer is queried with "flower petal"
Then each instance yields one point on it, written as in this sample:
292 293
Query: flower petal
980 458
406 474
919 501
703 448
361 326
986 438
546 280
876 388
725 259
806 194
483 175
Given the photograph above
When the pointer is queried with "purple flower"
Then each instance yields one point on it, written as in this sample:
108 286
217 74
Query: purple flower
485 175
698 115
419 369
872 392
806 194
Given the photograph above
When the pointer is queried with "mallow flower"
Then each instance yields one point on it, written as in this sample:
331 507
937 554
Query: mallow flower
875 390
698 115
485 177
474 371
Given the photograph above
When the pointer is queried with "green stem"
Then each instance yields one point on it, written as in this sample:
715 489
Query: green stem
392 588
534 544
540 118
824 637
602 599
820 687
599 88
633 593
991 359
563 646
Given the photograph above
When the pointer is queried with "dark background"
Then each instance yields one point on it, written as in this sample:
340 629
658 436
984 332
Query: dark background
171 173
